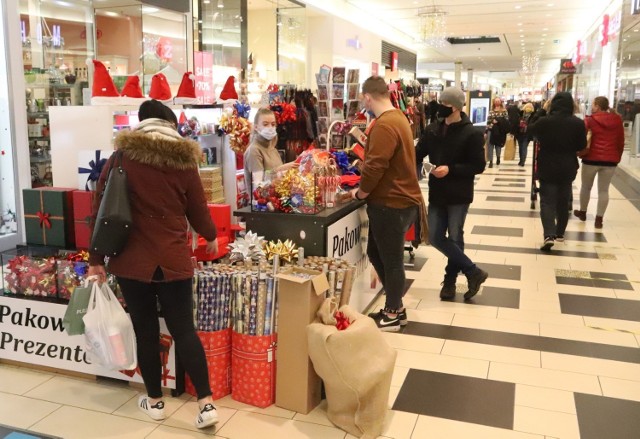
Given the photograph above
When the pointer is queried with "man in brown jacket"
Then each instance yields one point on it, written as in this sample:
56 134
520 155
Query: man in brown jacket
394 201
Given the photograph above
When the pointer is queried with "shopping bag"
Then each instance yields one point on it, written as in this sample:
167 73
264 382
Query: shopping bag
510 148
109 337
77 308
356 365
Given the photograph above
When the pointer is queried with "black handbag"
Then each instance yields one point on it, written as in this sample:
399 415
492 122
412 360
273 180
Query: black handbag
113 222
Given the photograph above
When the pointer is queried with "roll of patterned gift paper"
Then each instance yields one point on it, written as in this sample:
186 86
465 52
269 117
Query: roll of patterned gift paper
339 283
247 304
227 302
268 315
253 306
331 277
348 285
262 306
239 303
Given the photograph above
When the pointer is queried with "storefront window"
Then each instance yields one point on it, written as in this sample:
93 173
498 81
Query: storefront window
57 38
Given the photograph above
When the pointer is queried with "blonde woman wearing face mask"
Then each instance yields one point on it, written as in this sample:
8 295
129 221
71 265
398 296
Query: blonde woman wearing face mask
262 155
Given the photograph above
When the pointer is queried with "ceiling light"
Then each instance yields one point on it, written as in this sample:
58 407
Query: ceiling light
544 35
518 7
64 3
206 2
111 14
433 26
636 30
550 4
546 28
220 4
519 24
149 10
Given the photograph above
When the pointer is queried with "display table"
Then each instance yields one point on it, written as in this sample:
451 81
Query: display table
338 232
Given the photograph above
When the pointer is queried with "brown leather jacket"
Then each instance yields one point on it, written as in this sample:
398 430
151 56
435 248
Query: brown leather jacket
165 191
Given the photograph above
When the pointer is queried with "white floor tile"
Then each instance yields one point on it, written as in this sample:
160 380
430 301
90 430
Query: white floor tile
540 316
399 375
186 414
587 334
20 380
414 342
621 389
75 423
429 427
501 354
545 399
393 395
426 316
316 416
130 409
497 324
21 412
591 366
442 363
245 425
399 425
553 379
82 393
563 425
164 432
458 308
272 410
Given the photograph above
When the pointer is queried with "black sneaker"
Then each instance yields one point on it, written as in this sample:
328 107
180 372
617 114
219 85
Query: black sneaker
388 324
548 243
402 316
448 291
475 281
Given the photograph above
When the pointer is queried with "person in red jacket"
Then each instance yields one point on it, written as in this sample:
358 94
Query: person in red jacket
601 157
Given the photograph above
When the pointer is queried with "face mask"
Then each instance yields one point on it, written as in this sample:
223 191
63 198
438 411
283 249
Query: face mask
444 111
268 133
371 114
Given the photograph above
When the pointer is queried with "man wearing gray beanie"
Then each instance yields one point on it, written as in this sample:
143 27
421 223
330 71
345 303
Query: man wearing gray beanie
455 149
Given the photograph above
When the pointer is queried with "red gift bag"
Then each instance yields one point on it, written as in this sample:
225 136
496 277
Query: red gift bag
217 349
253 369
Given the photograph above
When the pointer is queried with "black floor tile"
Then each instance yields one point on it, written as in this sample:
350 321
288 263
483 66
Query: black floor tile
514 170
500 271
496 296
506 199
414 265
515 180
584 236
604 307
499 212
497 231
608 276
522 341
459 398
628 186
594 283
601 417
577 281
530 251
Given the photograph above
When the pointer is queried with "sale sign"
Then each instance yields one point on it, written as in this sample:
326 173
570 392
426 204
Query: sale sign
203 63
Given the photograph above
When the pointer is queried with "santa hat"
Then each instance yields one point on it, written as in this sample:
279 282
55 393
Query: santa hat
187 91
160 90
229 90
104 91
131 92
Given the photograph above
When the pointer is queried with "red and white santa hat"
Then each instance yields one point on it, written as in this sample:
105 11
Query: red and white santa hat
187 91
229 90
131 93
160 89
104 91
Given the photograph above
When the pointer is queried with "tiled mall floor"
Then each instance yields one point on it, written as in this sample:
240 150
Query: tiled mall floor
550 348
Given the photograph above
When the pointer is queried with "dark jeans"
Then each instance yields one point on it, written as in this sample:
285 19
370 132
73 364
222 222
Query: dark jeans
176 301
443 219
523 144
387 228
555 199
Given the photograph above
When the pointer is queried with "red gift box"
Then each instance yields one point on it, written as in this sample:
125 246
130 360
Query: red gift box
221 216
217 349
253 369
82 207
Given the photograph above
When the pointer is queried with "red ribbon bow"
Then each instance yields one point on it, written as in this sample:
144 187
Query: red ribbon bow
342 321
44 219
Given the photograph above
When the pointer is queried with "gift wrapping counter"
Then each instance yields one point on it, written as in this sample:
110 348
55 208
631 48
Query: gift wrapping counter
337 232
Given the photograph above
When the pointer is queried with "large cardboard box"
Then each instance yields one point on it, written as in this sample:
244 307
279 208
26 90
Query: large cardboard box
300 294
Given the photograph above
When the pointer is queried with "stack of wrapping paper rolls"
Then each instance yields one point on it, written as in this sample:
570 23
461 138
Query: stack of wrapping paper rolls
244 296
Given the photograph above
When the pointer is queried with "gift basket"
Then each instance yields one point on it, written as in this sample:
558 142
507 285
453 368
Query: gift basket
29 271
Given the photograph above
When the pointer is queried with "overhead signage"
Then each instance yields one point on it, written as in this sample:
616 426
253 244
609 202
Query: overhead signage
567 66
394 61
203 63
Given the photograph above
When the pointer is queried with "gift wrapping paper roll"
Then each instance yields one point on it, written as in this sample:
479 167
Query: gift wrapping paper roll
348 284
268 317
332 283
339 284
262 307
253 306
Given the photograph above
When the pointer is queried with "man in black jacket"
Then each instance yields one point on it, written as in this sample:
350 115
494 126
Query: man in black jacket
456 148
560 135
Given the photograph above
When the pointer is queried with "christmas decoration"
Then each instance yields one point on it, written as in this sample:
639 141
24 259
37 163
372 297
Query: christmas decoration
248 247
286 251
238 129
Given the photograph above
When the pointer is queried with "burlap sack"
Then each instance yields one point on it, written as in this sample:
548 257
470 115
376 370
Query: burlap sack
356 366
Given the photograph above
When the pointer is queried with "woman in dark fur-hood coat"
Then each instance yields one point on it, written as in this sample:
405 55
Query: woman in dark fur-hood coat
164 191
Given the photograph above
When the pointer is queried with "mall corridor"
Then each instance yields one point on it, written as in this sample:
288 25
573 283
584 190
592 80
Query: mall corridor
550 348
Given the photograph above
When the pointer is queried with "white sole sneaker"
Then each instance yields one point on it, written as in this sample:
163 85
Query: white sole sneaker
155 412
207 417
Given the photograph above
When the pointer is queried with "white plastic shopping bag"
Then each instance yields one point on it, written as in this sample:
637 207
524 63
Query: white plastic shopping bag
109 336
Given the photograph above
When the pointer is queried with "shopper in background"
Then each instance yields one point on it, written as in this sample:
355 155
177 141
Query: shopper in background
455 147
394 200
262 154
561 135
497 130
523 136
165 191
601 157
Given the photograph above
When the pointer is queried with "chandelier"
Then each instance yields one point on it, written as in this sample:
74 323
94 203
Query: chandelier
530 64
433 26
